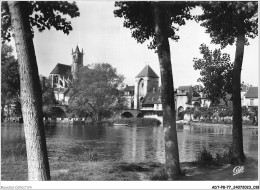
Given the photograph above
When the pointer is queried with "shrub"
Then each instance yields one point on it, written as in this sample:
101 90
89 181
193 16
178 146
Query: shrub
197 114
204 156
226 157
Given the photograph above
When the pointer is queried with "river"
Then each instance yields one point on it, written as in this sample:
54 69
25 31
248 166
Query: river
129 144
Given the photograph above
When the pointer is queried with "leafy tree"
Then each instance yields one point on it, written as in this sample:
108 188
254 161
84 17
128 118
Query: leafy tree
197 114
245 111
253 114
95 93
216 73
206 112
189 111
10 85
222 114
19 17
158 21
48 98
228 22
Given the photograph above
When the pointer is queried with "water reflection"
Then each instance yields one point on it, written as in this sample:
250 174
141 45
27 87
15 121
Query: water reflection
130 144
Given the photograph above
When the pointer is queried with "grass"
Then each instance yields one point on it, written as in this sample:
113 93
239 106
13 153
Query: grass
121 171
90 166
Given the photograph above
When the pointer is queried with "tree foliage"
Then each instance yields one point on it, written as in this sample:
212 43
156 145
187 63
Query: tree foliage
222 19
43 15
189 111
139 18
228 22
216 73
19 17
157 22
95 93
10 84
48 98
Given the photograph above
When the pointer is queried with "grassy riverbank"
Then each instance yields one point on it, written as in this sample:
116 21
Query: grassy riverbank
77 170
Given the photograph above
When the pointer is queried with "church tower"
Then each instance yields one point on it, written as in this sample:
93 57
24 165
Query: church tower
146 81
77 61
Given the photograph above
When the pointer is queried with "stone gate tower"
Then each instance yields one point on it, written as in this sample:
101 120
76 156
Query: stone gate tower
77 61
146 81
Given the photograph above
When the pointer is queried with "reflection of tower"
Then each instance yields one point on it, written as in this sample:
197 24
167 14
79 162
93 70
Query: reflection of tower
77 61
146 81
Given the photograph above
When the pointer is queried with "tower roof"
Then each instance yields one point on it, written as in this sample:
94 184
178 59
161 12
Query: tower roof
77 49
147 72
62 69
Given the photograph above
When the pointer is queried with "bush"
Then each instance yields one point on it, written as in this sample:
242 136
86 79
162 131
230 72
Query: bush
225 157
204 156
197 114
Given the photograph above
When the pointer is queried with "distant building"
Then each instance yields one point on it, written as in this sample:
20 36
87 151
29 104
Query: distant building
145 82
146 95
63 74
251 97
244 89
129 96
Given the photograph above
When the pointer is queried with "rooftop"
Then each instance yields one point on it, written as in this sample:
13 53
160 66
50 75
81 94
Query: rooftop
129 88
153 98
184 88
252 92
147 72
62 69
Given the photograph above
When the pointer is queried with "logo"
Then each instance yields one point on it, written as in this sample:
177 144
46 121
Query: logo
238 170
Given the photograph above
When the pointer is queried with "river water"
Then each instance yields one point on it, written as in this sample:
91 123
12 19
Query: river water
129 144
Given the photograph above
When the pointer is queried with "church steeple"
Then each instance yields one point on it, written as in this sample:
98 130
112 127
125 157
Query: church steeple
77 61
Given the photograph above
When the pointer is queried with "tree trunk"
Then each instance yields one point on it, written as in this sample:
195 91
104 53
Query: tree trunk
167 92
237 109
31 100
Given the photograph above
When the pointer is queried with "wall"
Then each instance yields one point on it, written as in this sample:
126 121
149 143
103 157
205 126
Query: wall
248 100
181 101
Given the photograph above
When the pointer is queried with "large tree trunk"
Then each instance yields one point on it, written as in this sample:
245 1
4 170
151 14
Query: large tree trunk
237 109
167 92
31 100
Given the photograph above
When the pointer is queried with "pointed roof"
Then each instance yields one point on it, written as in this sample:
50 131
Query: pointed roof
62 69
147 72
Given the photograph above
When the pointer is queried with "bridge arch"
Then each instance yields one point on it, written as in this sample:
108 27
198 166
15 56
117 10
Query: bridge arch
126 115
140 115
130 113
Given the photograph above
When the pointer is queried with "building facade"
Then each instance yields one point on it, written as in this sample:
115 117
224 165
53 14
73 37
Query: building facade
63 74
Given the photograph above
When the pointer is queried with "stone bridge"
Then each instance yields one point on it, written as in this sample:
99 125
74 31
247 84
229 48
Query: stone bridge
127 113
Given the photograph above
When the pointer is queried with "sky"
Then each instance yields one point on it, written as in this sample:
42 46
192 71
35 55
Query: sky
105 40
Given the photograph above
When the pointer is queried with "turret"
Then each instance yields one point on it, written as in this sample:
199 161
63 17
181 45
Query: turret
77 61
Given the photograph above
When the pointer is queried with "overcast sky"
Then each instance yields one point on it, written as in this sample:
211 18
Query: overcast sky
104 39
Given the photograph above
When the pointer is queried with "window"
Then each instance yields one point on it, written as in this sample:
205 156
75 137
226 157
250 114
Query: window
56 79
157 106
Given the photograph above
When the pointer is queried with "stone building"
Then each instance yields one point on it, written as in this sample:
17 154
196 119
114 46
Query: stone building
63 74
145 82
